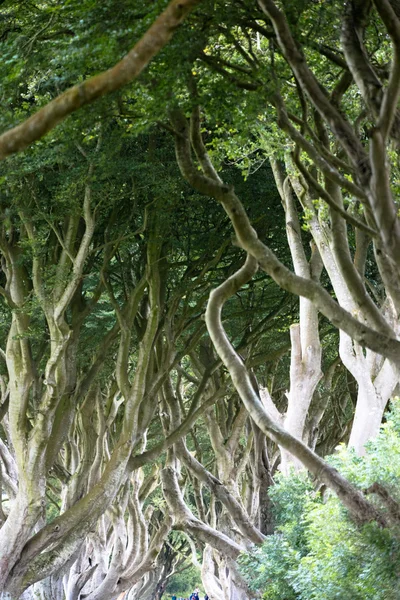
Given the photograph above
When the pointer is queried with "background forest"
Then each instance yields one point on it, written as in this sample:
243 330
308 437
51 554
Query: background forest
200 299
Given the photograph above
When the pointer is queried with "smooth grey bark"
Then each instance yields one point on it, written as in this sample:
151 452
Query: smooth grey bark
354 500
376 377
306 353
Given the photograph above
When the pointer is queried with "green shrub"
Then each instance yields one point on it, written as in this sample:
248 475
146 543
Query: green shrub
317 552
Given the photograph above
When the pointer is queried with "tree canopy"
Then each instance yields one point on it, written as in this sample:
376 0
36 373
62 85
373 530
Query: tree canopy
200 298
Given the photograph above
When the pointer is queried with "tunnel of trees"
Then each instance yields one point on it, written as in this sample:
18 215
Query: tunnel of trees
200 299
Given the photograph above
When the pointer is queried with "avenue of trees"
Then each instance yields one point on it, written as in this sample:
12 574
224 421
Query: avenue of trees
200 299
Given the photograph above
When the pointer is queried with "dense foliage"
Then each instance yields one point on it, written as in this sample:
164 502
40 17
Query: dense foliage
318 551
199 282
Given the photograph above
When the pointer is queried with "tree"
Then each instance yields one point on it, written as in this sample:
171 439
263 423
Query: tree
110 387
330 234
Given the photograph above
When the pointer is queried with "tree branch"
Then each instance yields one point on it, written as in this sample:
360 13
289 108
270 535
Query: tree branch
247 238
128 69
360 508
310 85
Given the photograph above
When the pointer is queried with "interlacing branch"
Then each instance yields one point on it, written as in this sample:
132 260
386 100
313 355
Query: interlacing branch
247 238
125 71
352 498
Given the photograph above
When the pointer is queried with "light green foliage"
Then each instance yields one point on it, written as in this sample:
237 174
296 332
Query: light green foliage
382 461
344 561
317 552
183 582
273 564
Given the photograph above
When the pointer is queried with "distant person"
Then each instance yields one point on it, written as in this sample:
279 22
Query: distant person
173 598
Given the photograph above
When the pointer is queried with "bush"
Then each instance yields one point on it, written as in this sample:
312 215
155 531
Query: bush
317 551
